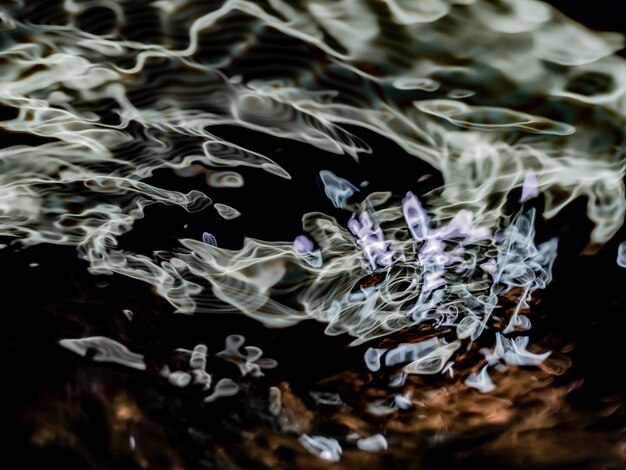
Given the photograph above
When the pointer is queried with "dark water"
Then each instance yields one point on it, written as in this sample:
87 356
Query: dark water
65 409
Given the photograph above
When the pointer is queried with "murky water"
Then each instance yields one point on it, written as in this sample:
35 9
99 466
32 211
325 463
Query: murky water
316 234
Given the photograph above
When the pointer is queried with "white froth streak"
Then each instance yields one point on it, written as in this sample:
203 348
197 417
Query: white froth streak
450 136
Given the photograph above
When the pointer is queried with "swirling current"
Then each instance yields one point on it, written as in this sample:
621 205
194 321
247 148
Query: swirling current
312 233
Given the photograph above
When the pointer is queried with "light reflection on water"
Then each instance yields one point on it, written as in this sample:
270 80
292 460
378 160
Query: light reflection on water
183 146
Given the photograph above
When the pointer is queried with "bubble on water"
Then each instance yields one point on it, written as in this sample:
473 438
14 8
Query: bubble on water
327 398
106 350
225 179
372 358
433 362
179 379
224 388
375 443
226 212
326 448
249 362
275 404
621 255
480 381
198 357
209 239
338 190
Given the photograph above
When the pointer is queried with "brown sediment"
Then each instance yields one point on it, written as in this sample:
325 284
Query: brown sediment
294 416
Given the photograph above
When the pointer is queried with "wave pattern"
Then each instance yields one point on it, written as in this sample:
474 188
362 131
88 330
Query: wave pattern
500 97
109 110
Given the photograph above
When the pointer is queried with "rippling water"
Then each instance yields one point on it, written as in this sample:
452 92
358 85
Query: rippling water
312 234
